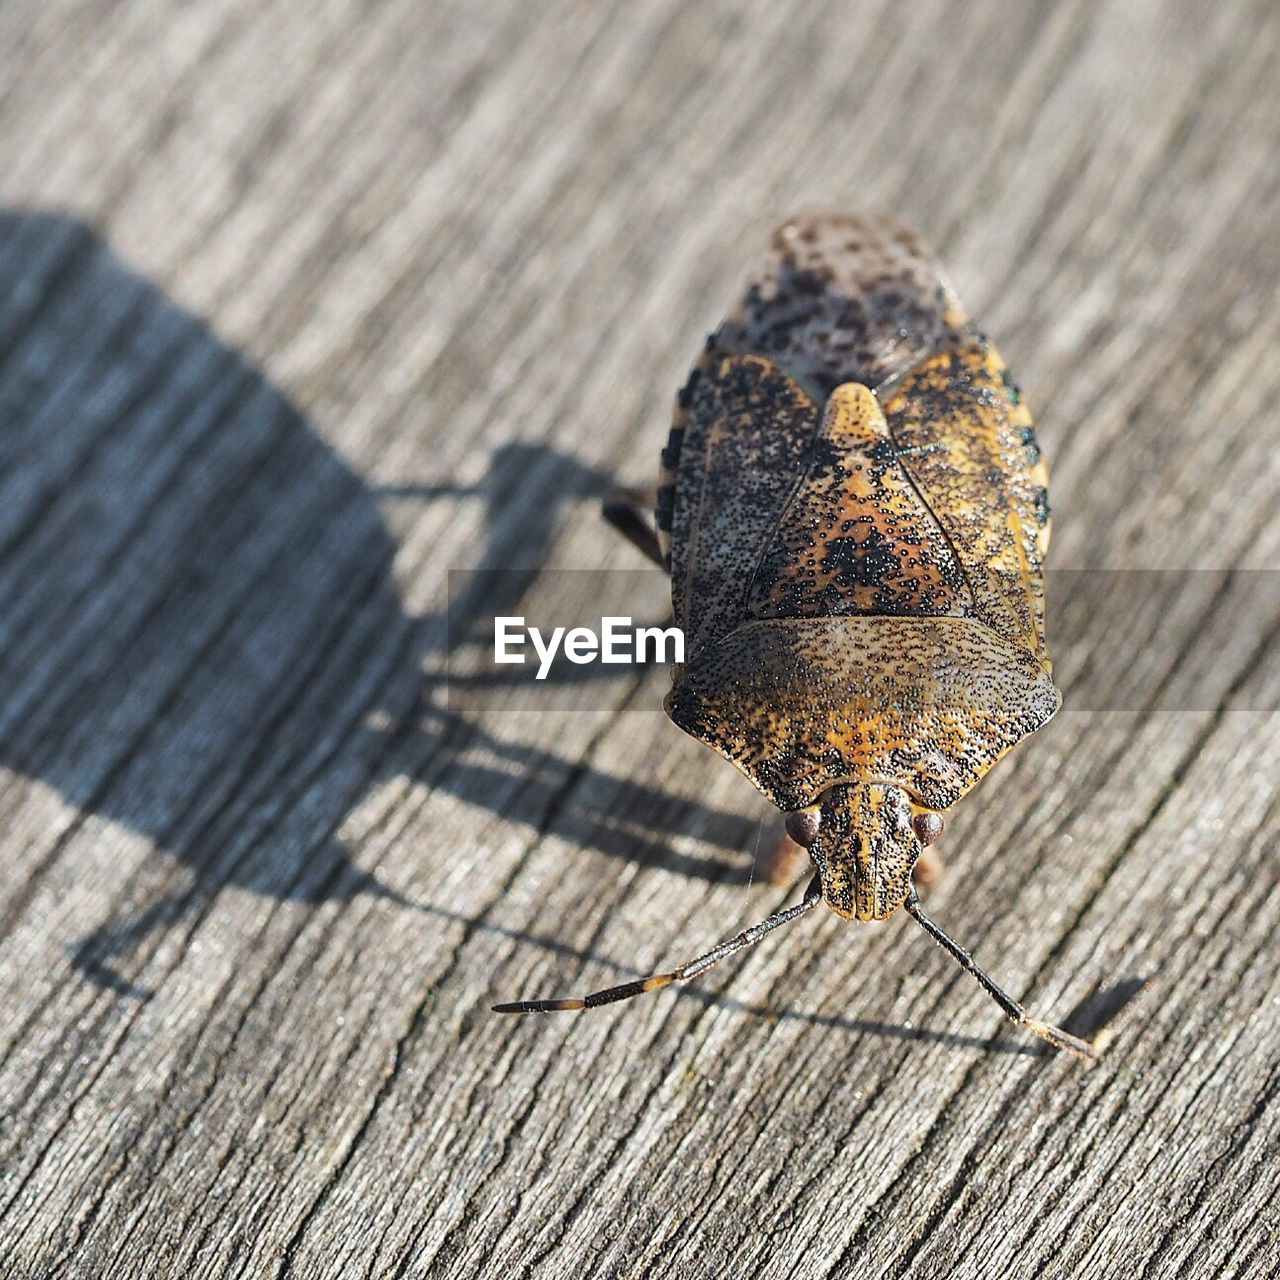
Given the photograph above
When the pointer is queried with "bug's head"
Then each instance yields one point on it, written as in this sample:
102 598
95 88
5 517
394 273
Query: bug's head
864 841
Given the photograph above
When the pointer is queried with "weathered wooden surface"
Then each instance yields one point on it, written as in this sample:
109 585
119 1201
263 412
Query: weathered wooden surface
300 312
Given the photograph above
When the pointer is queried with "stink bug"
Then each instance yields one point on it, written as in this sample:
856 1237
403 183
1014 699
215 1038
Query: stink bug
853 510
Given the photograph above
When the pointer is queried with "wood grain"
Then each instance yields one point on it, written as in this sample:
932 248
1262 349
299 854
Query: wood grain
304 308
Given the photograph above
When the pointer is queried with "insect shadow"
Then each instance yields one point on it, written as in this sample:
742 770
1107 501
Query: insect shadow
201 638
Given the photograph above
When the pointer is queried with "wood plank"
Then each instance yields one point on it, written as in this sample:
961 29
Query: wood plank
303 317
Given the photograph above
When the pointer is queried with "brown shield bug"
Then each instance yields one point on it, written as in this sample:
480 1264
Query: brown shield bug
853 510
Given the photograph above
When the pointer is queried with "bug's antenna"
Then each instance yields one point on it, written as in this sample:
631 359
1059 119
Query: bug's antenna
691 969
1054 1035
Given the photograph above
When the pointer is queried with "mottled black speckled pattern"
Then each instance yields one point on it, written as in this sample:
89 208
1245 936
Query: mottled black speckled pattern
845 298
800 704
752 428
856 537
853 506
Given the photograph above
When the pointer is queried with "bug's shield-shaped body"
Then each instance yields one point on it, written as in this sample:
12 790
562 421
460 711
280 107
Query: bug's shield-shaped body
855 511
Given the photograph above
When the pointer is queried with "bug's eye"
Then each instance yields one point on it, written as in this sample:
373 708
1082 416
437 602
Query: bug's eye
928 827
802 826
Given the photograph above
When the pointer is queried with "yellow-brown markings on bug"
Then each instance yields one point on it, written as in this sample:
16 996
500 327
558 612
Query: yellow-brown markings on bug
859 584
927 703
856 537
967 442
865 849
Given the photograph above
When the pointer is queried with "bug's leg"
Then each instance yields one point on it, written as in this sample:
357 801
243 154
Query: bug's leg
690 969
784 865
624 509
1054 1035
929 870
